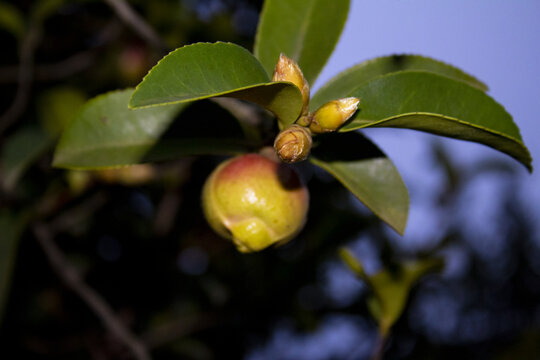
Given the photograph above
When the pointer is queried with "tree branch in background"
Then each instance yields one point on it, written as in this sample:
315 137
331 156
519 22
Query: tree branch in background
177 329
137 23
24 79
71 65
99 306
46 72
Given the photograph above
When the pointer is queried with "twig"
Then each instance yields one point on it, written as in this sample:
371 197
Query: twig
99 306
166 212
380 347
137 23
177 329
69 66
77 214
54 71
24 78
246 114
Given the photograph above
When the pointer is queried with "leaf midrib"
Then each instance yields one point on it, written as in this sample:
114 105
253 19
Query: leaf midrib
373 123
303 31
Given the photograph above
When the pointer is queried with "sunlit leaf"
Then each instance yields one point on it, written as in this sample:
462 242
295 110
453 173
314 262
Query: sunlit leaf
363 169
439 105
345 82
304 30
205 70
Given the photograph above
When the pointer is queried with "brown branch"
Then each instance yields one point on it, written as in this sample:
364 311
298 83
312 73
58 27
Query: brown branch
77 214
166 212
66 67
46 72
99 306
24 79
247 115
177 329
137 23
380 346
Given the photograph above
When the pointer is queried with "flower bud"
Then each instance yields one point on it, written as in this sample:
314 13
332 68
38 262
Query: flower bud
333 114
304 120
288 70
255 202
293 144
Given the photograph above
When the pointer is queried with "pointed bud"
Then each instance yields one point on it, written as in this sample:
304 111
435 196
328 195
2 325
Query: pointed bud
293 144
288 70
333 114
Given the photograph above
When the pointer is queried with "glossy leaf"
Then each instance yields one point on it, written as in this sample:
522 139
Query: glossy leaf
345 82
11 228
304 30
172 149
107 133
20 151
205 70
363 169
432 103
282 99
390 289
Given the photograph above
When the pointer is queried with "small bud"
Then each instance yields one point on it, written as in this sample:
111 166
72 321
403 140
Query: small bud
255 201
333 114
288 70
293 144
304 120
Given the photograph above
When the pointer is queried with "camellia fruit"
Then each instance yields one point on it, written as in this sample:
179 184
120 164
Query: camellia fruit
255 201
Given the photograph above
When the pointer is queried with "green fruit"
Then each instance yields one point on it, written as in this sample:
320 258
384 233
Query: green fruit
255 201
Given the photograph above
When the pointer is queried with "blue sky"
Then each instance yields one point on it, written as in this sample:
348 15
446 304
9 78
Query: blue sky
497 41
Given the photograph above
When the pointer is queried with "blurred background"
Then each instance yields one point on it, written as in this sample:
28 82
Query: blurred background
138 237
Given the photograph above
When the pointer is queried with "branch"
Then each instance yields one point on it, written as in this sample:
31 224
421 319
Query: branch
99 306
380 346
248 116
46 72
177 329
69 66
137 23
24 79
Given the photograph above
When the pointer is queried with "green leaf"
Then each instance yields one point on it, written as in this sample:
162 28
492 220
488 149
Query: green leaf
305 30
20 151
345 82
432 103
359 165
205 70
390 289
11 228
172 149
107 133
281 98
11 20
